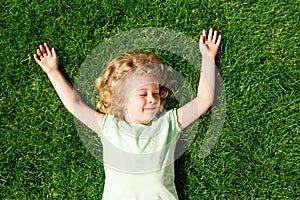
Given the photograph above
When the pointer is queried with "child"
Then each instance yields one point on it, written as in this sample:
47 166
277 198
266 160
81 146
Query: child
138 137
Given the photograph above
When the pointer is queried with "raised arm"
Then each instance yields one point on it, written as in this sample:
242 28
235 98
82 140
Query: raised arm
190 112
47 59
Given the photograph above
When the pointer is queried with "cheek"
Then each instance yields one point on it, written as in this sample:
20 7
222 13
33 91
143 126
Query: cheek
135 102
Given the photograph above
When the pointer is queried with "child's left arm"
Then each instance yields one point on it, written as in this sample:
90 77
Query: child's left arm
190 112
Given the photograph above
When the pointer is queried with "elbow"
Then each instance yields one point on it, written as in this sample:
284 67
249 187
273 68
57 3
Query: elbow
71 106
210 102
207 105
204 104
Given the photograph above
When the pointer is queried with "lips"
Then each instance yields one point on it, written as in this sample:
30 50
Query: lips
154 108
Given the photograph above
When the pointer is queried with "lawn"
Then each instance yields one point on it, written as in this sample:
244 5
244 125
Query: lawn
258 153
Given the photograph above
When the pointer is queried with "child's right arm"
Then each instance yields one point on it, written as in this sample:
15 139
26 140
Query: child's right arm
47 59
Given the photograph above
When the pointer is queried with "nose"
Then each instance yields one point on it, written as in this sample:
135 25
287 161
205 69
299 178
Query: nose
152 98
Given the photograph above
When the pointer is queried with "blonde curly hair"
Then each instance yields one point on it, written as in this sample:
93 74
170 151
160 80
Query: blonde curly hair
112 98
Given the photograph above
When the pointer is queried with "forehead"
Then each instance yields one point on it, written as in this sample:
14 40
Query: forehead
142 83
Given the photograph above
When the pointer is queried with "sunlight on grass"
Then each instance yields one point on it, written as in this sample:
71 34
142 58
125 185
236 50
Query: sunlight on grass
257 155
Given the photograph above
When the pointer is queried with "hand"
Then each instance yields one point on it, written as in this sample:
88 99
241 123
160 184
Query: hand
46 58
210 45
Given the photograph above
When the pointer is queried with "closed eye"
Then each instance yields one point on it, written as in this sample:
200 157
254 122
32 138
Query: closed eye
156 94
143 94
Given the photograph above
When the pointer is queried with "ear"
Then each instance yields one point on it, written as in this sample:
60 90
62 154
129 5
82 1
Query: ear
125 106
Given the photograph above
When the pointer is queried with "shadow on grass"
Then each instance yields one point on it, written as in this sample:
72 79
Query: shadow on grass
181 176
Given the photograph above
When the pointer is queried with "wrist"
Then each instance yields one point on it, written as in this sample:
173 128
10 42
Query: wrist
208 59
209 56
52 72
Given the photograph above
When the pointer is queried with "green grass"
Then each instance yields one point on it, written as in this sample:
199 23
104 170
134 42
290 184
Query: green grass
257 155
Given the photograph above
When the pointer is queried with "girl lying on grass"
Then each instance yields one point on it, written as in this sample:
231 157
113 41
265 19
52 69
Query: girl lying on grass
137 135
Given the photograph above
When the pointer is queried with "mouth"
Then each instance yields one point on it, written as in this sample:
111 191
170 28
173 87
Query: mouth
151 109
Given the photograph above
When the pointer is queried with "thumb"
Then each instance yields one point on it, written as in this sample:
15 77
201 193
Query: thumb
36 58
201 41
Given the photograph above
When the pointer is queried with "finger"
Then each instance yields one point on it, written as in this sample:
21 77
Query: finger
204 33
42 49
209 38
219 40
48 49
53 52
36 58
39 53
215 36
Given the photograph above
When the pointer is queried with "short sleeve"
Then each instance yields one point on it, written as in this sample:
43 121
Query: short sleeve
105 123
173 122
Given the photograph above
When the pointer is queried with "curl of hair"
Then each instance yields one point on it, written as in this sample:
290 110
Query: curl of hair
112 84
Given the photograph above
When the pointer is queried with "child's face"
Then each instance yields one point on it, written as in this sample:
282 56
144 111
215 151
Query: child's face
143 100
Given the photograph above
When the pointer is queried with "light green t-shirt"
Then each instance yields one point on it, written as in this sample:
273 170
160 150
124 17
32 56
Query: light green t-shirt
138 159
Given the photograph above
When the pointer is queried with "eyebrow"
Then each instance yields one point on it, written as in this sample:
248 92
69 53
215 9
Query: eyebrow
142 89
156 87
147 89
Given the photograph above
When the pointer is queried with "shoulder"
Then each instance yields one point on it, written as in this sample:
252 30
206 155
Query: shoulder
108 119
108 122
171 117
